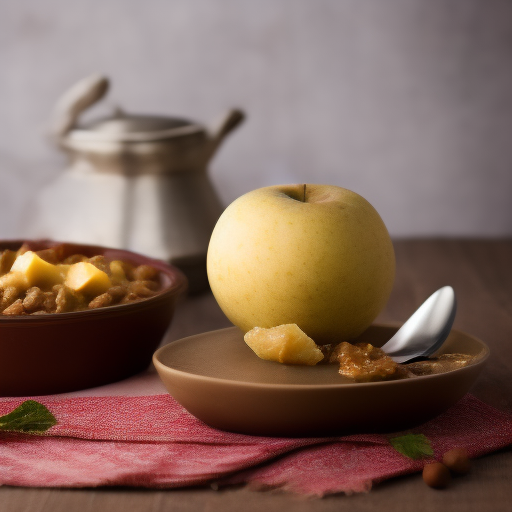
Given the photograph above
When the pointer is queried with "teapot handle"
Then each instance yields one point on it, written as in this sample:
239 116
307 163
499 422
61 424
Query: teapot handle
229 122
74 101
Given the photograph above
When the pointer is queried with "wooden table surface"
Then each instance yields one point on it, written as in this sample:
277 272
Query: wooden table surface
481 273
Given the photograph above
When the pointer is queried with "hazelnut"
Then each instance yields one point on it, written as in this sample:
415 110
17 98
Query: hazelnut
457 460
436 475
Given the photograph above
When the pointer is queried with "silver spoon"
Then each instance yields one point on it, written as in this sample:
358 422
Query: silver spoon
426 330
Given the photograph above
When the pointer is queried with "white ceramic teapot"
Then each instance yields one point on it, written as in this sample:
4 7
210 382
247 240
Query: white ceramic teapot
134 182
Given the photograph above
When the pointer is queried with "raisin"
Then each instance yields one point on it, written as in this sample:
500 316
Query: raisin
8 297
49 304
145 273
117 292
34 299
130 297
140 289
105 299
16 308
66 300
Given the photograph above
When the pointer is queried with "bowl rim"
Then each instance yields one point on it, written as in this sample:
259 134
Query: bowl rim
317 387
177 284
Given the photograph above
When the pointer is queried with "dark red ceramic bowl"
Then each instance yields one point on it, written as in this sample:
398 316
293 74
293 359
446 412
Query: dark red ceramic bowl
61 352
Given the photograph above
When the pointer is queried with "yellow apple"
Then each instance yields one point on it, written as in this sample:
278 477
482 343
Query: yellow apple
318 256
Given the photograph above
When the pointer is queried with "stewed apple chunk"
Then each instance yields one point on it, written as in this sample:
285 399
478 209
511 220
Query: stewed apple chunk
285 344
363 362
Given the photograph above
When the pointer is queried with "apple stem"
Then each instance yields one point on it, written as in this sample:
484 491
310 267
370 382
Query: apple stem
304 197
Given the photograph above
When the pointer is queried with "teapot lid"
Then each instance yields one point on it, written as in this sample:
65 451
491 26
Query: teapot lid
123 127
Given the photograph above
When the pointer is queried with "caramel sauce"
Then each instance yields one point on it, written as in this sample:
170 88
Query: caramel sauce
362 362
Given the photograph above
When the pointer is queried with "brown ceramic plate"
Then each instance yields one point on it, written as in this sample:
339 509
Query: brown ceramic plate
217 378
60 352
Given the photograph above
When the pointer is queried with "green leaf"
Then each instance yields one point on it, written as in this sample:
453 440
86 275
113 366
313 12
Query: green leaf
30 416
414 446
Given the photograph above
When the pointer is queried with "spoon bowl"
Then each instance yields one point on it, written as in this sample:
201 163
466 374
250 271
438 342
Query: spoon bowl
426 330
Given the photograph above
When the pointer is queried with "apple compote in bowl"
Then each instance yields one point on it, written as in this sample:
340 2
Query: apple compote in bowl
76 316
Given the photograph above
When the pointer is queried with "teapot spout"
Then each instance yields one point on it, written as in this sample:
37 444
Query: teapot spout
228 123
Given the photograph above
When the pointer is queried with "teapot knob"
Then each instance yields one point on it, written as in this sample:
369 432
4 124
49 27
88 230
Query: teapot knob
228 123
75 100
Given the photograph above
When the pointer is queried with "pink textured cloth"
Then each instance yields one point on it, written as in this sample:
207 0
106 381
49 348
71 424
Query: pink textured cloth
151 441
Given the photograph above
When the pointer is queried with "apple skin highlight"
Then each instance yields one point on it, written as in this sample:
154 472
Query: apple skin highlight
323 260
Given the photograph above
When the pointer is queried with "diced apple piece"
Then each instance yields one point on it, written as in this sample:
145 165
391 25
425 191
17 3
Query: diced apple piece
86 278
118 274
36 271
285 344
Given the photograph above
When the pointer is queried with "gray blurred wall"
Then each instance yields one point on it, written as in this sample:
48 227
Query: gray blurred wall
407 102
